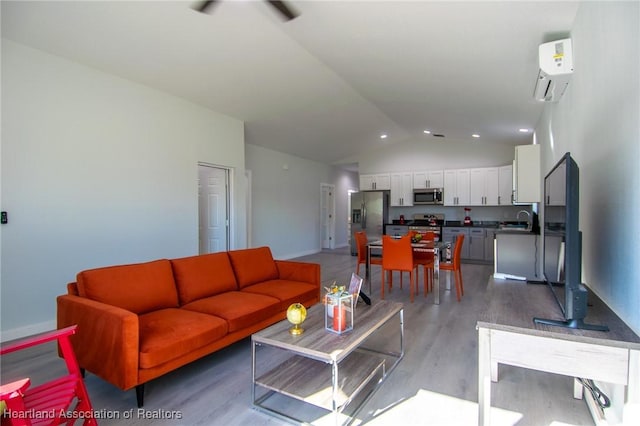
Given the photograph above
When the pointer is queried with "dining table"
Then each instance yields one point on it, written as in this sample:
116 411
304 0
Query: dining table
434 247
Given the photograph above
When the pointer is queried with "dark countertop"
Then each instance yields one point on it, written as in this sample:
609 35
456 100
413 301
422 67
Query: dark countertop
476 224
488 224
514 232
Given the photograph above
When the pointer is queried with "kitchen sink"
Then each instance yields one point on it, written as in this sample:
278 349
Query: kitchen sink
515 226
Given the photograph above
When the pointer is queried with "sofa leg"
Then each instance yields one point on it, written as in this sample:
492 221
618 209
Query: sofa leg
140 395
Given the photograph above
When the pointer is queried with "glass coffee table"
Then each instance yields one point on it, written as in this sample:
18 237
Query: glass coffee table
334 373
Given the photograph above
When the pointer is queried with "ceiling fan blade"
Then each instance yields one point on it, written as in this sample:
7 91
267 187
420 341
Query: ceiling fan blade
285 10
204 5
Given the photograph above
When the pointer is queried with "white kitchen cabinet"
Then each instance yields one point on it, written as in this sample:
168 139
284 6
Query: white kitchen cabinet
428 179
375 182
526 172
484 186
505 183
456 187
401 189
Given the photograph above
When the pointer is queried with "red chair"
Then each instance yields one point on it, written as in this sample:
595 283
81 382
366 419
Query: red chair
397 256
454 266
48 403
361 242
426 260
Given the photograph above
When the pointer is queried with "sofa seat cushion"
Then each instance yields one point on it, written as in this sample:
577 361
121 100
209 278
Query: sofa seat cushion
253 266
169 333
286 291
203 276
240 309
139 288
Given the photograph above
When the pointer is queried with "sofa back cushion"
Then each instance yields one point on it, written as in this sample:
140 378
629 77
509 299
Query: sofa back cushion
138 288
203 276
253 265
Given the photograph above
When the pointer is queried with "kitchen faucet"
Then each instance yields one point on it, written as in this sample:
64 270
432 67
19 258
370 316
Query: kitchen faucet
528 217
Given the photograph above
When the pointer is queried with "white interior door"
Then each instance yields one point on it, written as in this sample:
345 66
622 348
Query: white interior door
213 208
327 215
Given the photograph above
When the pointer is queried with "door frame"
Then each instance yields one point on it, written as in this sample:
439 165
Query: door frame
229 202
331 225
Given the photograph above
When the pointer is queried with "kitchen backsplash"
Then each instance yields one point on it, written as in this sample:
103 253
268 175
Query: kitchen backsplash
478 213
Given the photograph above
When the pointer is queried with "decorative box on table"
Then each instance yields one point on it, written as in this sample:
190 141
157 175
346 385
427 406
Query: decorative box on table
338 316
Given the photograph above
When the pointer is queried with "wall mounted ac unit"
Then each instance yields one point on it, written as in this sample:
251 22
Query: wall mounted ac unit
556 67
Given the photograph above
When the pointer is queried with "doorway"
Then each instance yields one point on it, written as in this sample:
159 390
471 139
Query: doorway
213 209
327 215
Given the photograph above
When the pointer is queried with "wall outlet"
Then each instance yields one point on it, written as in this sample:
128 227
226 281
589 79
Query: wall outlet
3 218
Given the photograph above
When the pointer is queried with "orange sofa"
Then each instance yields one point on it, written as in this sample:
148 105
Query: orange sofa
138 322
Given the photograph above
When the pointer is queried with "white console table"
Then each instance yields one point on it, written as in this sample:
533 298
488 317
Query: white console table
508 335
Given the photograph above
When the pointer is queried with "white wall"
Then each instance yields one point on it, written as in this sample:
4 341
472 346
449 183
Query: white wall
598 121
285 201
433 154
344 181
97 170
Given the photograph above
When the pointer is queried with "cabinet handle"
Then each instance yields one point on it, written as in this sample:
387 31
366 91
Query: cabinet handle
499 202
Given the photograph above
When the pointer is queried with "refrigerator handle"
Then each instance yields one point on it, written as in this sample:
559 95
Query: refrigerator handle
364 216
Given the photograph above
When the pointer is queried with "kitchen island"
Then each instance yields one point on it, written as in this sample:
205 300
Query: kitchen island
518 253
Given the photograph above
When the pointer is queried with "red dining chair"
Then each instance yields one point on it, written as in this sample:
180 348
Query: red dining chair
398 256
48 403
454 266
426 260
361 243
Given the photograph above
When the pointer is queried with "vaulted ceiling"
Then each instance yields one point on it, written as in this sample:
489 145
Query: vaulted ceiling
327 84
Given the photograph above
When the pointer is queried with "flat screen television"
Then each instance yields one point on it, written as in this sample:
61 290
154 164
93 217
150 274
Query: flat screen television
562 242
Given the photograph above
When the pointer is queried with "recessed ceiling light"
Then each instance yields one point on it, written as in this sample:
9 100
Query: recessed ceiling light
475 135
427 132
383 136
524 130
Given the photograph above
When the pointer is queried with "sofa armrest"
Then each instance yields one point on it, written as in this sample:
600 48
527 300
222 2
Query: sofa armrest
107 340
300 271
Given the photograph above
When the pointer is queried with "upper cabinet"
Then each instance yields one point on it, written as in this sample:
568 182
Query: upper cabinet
428 179
376 182
490 186
483 186
401 189
505 183
456 187
486 186
526 175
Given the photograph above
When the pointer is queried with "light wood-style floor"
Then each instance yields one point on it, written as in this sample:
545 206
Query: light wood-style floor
435 384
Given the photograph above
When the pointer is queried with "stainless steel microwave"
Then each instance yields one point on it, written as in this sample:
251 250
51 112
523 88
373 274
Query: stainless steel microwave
428 196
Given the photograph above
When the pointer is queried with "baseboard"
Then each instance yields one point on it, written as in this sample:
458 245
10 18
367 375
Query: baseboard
300 254
27 330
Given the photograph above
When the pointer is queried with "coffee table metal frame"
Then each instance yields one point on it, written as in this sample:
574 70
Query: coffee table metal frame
304 375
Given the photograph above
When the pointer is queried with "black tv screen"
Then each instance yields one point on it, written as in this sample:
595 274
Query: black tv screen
562 242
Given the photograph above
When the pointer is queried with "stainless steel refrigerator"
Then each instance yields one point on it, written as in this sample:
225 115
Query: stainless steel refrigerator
369 213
